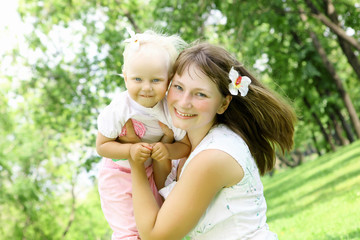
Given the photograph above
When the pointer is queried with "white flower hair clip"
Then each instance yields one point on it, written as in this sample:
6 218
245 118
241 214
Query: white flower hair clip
238 83
133 40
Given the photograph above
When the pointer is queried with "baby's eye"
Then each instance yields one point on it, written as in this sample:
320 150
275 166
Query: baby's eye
156 80
138 79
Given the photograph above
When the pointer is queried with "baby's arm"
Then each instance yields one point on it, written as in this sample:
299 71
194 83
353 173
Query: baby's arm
164 151
163 168
110 148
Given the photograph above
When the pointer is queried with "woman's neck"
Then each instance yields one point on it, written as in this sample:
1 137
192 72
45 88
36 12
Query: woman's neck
196 136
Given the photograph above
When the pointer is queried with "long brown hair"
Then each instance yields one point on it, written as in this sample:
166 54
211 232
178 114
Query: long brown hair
262 118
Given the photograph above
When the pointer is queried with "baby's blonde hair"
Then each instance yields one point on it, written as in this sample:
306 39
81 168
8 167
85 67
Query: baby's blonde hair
172 44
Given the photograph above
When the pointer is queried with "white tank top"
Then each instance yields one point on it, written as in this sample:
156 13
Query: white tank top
236 212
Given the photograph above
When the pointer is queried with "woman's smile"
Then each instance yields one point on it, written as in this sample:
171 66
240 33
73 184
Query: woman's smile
184 115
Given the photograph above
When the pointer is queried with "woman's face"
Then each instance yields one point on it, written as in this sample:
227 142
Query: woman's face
194 100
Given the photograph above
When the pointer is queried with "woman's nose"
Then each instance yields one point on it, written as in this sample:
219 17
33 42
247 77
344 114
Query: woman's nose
185 101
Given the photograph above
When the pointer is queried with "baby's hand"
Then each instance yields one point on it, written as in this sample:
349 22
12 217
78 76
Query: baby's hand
160 152
140 152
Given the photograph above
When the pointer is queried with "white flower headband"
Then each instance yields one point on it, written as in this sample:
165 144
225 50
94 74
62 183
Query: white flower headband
238 83
133 40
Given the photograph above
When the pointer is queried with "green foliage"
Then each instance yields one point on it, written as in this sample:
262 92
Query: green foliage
89 222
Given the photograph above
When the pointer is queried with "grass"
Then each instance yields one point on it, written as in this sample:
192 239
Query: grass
318 200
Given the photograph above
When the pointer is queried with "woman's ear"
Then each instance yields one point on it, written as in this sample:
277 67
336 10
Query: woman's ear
224 105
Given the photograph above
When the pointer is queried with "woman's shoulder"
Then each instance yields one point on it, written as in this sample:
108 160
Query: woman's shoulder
222 138
214 156
224 135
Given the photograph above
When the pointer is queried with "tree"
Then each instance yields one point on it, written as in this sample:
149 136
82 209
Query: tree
343 93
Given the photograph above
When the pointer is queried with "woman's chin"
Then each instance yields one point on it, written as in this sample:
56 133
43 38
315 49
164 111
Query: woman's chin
181 123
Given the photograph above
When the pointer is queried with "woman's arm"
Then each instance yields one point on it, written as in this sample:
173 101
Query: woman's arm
168 136
179 149
172 150
206 174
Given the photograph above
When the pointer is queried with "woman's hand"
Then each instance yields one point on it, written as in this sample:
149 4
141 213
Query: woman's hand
168 134
130 136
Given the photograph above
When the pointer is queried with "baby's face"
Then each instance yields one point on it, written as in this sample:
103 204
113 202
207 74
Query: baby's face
146 75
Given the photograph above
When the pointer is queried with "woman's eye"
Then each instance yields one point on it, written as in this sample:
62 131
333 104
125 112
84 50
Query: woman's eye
201 94
177 87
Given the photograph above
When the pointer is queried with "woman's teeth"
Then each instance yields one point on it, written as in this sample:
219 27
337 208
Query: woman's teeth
185 115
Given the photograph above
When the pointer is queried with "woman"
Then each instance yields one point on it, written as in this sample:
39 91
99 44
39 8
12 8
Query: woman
233 123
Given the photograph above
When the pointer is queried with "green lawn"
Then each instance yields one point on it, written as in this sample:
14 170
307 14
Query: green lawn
317 200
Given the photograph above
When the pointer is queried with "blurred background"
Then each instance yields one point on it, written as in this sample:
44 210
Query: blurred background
59 61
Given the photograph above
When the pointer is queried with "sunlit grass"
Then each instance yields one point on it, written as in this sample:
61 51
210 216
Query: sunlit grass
318 200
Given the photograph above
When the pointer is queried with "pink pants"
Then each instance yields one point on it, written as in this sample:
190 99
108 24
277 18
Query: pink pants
115 191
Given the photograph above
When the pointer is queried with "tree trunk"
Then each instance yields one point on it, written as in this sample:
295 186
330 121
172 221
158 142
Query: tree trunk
296 159
338 131
345 96
327 136
325 93
345 46
334 27
335 109
345 125
316 145
73 209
